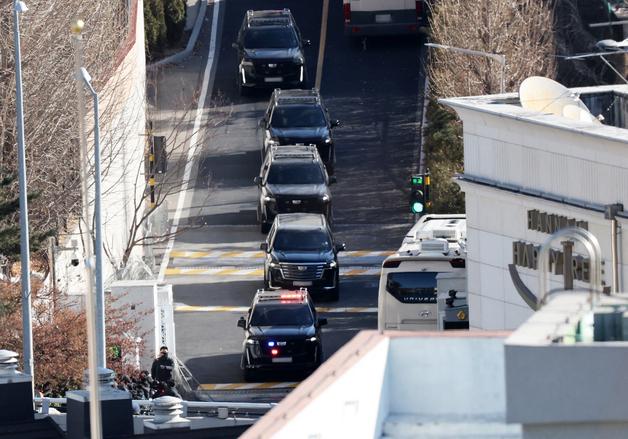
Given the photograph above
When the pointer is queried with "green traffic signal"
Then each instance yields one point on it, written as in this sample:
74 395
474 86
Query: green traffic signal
417 207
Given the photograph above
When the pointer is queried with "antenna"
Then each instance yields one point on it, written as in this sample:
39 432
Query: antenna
545 95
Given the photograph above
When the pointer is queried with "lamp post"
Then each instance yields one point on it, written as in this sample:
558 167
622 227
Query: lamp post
501 59
27 326
100 290
92 332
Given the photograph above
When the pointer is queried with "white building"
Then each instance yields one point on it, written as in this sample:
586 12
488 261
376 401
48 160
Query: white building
528 173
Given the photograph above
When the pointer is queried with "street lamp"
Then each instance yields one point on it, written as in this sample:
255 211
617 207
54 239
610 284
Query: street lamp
27 326
95 350
501 59
100 290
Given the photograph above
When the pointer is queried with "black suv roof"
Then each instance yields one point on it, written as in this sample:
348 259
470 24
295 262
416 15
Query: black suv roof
296 97
301 221
281 296
276 17
295 152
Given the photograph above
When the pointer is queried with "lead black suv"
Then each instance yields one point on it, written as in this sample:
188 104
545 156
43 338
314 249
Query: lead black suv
292 179
299 116
270 51
282 332
301 252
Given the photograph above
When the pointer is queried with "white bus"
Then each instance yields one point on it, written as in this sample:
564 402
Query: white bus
407 285
383 17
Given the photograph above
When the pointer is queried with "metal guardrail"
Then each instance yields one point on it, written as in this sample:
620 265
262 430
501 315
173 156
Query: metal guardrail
45 402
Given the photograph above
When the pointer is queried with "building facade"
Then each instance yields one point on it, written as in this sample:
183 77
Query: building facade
528 174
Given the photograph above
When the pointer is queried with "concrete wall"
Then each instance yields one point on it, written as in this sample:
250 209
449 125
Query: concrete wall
447 379
520 150
349 407
122 123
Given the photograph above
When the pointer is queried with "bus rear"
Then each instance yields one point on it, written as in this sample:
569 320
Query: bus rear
383 17
407 291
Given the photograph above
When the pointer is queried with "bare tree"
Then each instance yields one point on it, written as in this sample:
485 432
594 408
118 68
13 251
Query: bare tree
49 97
521 30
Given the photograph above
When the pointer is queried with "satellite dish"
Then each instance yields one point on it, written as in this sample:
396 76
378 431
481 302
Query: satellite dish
576 113
545 95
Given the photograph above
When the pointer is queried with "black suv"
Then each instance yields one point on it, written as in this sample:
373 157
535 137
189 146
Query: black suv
270 51
292 179
282 332
300 252
299 116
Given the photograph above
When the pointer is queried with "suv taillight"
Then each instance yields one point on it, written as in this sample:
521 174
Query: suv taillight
346 9
419 9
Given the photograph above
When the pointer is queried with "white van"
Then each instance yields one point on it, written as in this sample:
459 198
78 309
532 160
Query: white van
407 285
383 17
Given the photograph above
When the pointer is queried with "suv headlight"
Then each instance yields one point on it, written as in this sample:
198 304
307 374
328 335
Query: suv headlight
325 198
252 341
312 339
273 264
269 199
298 60
332 264
328 140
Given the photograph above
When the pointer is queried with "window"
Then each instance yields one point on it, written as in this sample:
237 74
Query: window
412 287
302 240
297 314
295 173
297 117
270 38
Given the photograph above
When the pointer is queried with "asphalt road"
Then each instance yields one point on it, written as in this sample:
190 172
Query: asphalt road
374 88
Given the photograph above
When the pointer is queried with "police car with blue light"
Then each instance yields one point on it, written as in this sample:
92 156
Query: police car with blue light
281 332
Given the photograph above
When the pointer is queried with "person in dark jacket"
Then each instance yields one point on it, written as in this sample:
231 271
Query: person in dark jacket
163 366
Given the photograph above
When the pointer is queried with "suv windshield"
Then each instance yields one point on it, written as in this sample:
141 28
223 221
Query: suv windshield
297 314
295 173
297 116
301 240
270 38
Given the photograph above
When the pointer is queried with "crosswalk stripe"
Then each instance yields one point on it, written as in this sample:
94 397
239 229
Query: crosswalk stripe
256 254
243 309
249 386
257 272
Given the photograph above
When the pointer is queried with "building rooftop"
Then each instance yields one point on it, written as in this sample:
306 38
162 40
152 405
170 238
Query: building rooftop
609 101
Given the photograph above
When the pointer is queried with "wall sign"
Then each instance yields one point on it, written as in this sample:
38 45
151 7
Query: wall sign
549 222
525 255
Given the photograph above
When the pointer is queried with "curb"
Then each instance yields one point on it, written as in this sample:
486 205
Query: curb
180 56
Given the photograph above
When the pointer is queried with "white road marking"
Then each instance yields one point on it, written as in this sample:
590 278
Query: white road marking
193 142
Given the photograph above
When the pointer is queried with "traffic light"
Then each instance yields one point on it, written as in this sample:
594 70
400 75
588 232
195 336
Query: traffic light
419 193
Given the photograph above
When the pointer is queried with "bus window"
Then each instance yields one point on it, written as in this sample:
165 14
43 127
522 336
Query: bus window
412 287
